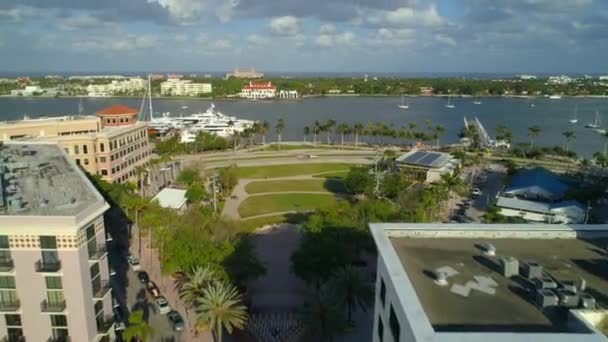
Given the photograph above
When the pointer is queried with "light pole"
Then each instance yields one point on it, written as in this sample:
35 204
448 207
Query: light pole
377 188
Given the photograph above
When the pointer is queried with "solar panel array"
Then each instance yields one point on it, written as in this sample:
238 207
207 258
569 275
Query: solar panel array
423 158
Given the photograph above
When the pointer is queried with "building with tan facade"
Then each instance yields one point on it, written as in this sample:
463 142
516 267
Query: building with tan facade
112 144
54 273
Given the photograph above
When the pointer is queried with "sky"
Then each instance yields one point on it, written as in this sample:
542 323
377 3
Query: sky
485 36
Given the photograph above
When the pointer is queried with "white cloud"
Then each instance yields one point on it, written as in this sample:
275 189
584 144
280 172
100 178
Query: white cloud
441 38
335 39
285 26
256 39
79 21
327 29
117 42
192 10
405 17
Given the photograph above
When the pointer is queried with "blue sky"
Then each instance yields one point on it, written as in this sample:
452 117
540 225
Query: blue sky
493 36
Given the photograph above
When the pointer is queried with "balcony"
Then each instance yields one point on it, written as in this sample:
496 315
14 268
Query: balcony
104 326
59 339
52 306
6 265
98 253
13 339
99 292
10 305
48 266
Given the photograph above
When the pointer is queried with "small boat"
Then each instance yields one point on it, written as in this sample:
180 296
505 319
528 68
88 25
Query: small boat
449 105
555 97
599 130
596 123
477 101
574 116
403 105
532 105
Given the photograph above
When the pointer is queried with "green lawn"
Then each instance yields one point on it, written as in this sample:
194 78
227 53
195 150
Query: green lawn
327 185
332 174
274 171
265 204
253 224
308 146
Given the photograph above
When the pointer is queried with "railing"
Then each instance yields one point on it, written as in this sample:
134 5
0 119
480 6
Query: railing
102 290
48 266
10 305
52 306
59 339
104 326
99 252
13 339
6 265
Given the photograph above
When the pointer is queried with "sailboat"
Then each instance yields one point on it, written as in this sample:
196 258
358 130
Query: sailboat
596 123
449 105
403 105
80 107
477 101
575 115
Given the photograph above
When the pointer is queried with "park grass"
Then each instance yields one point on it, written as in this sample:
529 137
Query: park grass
287 170
265 204
320 185
341 174
250 225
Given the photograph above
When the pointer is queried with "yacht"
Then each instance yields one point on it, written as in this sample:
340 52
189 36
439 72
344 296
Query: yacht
403 105
449 105
555 97
477 101
596 123
574 115
212 121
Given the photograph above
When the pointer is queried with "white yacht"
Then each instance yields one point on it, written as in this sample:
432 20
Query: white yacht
555 97
596 123
574 115
212 121
403 105
449 105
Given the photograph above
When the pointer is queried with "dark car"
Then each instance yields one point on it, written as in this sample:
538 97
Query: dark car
176 320
143 277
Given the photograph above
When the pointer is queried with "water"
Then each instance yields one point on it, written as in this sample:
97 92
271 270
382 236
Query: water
517 114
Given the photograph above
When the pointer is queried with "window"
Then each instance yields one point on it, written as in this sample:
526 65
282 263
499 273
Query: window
14 334
59 321
14 320
102 147
48 242
86 161
7 282
76 149
394 324
4 241
90 230
77 161
102 159
53 283
380 329
382 292
55 297
94 270
50 257
104 172
85 149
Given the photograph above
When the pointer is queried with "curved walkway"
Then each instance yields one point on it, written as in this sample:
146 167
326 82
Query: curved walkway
239 194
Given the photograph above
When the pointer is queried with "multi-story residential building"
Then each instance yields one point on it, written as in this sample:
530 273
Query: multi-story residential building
113 144
54 273
238 73
264 90
127 86
178 87
490 282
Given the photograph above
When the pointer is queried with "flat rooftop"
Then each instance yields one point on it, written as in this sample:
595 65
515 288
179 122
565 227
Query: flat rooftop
37 179
511 307
425 159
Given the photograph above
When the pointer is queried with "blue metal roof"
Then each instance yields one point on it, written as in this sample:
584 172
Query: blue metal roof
537 182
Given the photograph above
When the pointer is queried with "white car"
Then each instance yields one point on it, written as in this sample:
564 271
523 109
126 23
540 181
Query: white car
476 192
162 306
134 263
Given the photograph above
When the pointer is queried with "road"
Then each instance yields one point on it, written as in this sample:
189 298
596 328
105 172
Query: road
489 190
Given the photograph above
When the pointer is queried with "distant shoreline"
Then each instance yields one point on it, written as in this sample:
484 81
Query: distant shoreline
305 97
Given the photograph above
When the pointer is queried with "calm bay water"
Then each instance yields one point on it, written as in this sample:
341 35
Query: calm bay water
518 114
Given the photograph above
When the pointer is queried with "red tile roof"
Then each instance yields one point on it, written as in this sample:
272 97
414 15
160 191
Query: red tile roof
265 85
118 110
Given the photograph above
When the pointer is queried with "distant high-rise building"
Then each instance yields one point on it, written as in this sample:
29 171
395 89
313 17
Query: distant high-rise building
54 273
238 73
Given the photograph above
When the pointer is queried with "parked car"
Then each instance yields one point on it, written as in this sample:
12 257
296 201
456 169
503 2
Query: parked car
134 263
162 306
176 320
143 277
476 192
153 289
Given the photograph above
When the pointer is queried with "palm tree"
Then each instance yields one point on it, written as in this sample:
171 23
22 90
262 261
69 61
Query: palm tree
321 313
343 128
449 181
279 127
605 136
139 171
136 204
357 129
255 129
439 130
220 308
193 283
138 328
264 129
316 130
533 133
569 135
352 289
328 127
306 132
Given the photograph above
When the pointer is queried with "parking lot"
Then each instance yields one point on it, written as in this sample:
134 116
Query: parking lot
489 181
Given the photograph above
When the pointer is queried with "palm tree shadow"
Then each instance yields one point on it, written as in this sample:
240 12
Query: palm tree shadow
143 304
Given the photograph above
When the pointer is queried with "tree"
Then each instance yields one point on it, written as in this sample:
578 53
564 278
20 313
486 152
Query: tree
504 133
220 308
359 180
317 128
264 129
393 184
138 328
228 179
352 289
569 135
328 127
136 204
321 313
343 128
306 132
196 193
279 127
357 129
449 181
439 130
192 284
188 176
533 133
